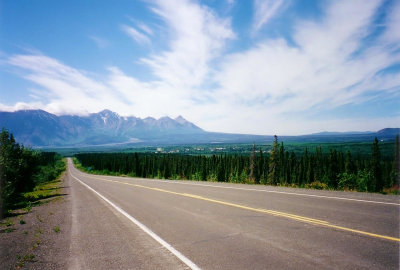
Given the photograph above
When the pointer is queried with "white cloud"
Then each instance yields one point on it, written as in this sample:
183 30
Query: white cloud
198 35
328 67
145 28
272 87
264 11
392 33
345 25
137 36
66 89
21 106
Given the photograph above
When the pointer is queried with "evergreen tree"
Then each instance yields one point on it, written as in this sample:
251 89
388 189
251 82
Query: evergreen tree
336 169
349 164
19 168
282 164
273 162
396 162
252 164
10 158
333 169
376 167
220 172
292 168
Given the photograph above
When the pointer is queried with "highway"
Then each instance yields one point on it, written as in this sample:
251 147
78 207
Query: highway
136 223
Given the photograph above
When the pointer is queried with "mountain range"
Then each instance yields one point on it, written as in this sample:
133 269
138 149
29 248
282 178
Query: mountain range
38 128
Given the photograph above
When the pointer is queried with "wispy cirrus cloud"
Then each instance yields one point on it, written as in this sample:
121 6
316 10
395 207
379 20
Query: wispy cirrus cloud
145 28
137 36
63 88
274 86
197 36
264 10
392 35
328 67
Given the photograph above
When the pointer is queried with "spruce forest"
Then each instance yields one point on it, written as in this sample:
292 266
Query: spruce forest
316 169
22 170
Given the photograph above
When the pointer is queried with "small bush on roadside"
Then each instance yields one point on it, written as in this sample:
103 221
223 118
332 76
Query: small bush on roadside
317 185
8 230
393 190
347 181
9 222
23 259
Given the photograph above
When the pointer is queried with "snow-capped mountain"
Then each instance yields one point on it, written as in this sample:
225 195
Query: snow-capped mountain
40 128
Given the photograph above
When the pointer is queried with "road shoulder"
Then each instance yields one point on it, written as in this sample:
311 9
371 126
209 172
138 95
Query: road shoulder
38 238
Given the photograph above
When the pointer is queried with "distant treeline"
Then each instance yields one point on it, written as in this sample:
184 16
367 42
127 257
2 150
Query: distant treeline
315 169
21 169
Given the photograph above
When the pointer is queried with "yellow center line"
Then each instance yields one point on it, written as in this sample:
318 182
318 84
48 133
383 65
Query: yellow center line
259 210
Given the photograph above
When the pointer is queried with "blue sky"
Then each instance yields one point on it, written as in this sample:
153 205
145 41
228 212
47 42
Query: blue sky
261 67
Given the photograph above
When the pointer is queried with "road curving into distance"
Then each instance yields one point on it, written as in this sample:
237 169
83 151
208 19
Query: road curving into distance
136 223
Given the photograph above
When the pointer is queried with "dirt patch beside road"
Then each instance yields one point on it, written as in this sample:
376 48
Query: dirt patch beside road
38 238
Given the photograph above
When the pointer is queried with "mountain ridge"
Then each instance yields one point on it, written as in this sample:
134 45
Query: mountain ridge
39 128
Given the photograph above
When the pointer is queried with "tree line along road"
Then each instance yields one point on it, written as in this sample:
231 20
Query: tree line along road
135 223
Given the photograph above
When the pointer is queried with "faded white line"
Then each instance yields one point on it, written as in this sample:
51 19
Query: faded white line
179 255
290 193
251 189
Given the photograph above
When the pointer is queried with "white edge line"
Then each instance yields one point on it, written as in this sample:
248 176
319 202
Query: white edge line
179 255
292 193
258 190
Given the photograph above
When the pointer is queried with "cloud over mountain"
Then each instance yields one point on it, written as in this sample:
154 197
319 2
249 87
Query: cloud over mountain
335 68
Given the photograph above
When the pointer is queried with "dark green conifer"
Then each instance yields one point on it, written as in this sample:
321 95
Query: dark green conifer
273 163
377 184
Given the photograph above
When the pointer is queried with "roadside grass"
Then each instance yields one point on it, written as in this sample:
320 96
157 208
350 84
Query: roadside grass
8 230
393 190
43 192
24 259
39 218
21 221
9 222
28 207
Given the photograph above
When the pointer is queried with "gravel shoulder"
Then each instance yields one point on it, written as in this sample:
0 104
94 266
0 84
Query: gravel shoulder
77 230
39 238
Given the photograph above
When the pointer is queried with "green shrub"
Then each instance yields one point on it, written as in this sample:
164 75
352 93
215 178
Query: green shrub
21 169
365 181
317 185
347 181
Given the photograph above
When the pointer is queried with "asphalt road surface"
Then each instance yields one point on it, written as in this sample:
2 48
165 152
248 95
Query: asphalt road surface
135 223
